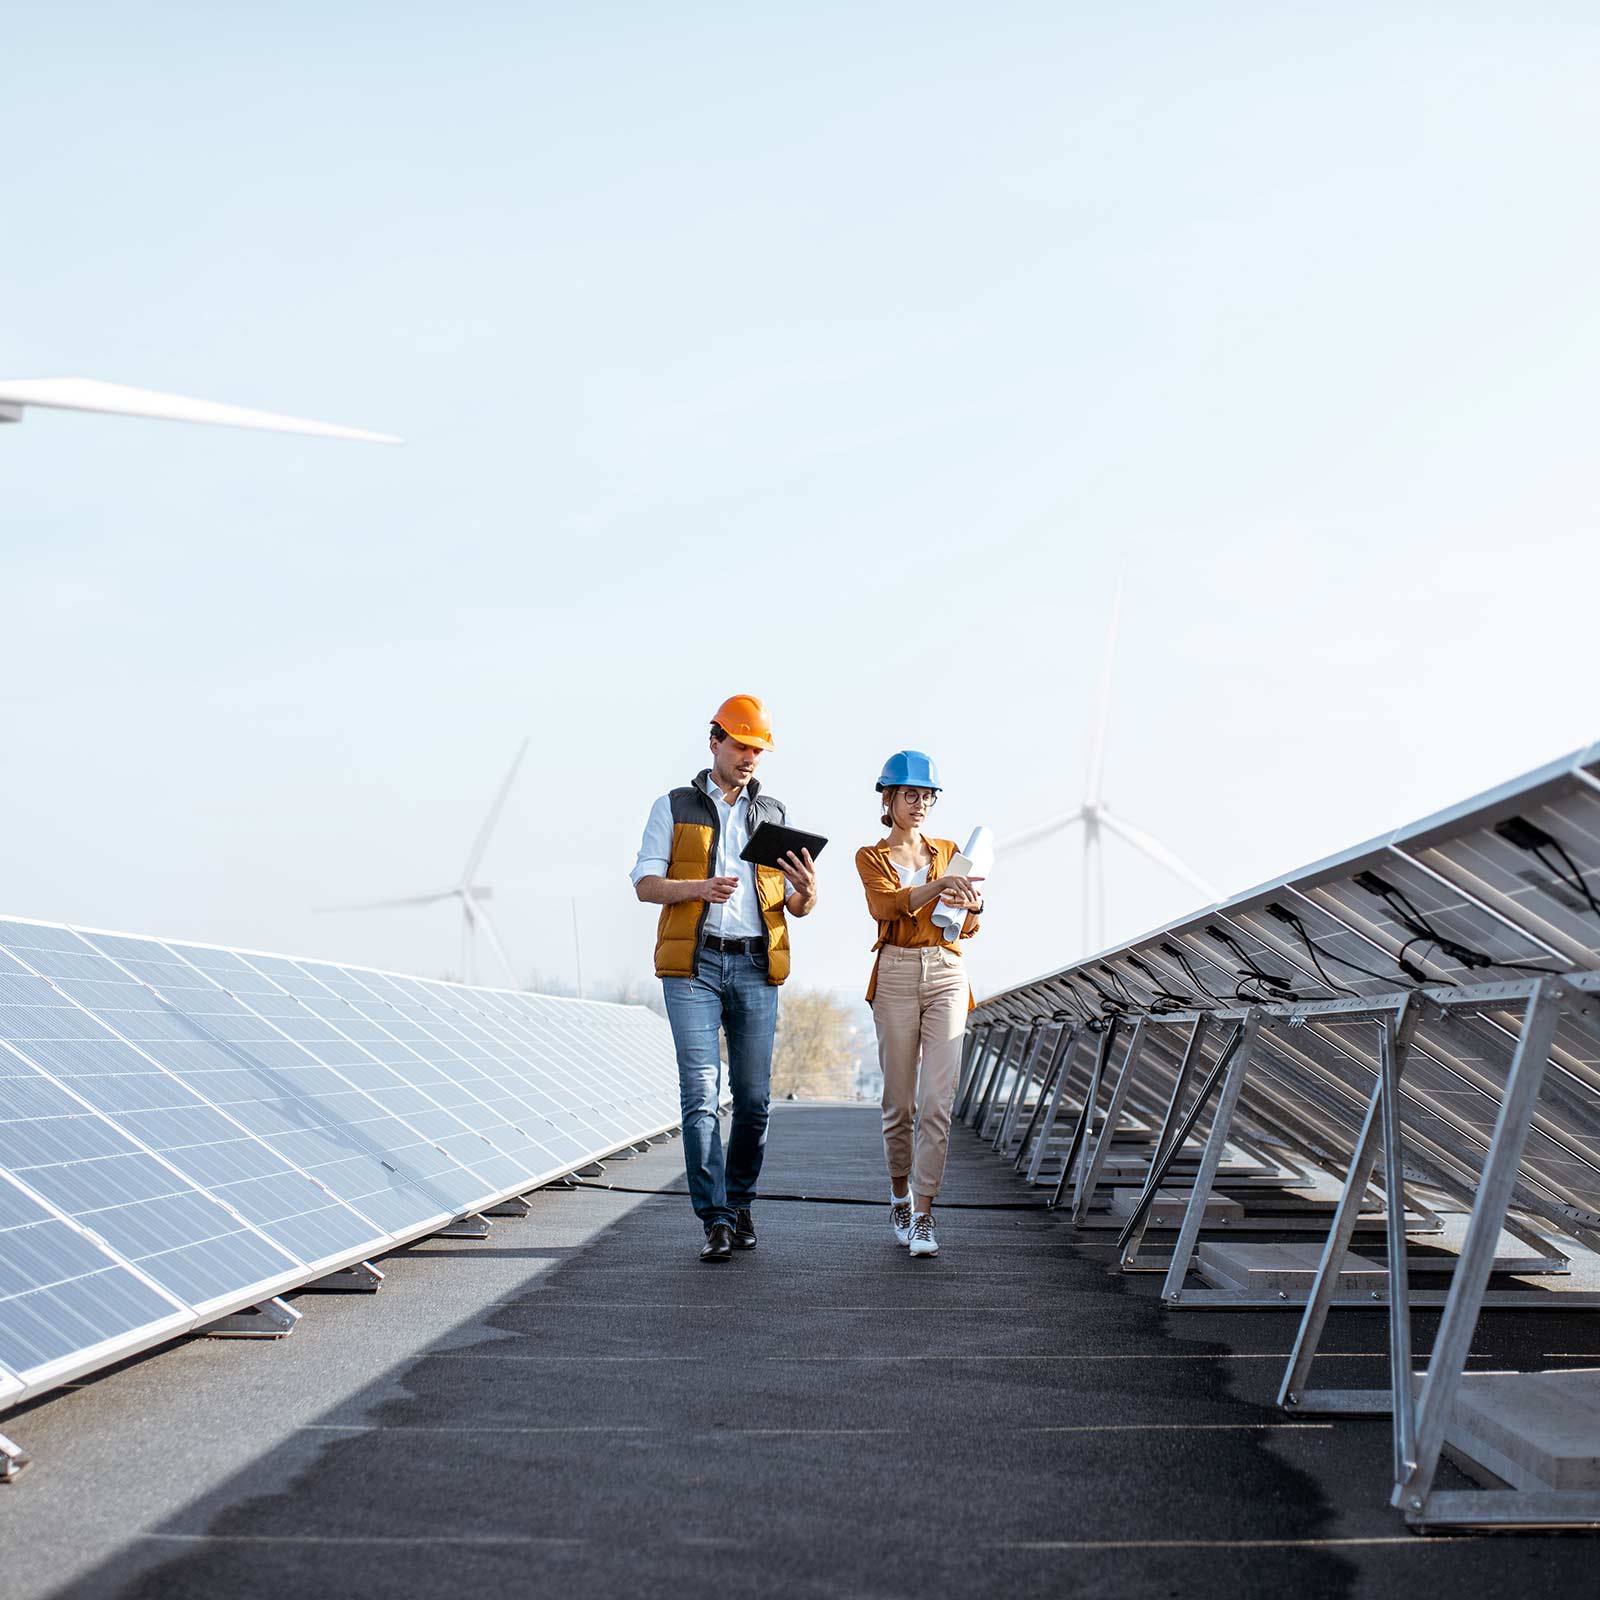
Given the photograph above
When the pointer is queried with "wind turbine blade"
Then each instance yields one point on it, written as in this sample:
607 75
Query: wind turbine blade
1102 707
1158 853
1040 830
385 905
484 920
117 399
482 842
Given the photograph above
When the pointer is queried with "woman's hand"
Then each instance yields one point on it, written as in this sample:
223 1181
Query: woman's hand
954 890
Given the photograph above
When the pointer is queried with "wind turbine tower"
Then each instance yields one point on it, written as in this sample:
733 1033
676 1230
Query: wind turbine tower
473 896
1094 816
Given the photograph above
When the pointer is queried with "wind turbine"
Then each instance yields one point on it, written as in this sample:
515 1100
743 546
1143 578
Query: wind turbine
116 399
474 911
1094 815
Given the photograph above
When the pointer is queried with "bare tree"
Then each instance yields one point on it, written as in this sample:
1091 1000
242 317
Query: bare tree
813 1056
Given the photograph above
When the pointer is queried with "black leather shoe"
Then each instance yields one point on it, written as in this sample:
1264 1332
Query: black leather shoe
744 1229
719 1243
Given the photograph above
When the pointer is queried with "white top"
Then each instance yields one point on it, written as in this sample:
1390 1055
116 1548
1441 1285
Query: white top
738 917
911 880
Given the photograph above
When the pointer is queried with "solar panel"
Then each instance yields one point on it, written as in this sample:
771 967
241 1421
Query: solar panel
65 1296
186 1130
253 1066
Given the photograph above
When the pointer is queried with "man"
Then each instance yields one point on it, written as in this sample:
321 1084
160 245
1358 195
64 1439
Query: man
722 950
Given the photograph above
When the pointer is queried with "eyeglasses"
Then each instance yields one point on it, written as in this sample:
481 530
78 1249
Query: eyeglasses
929 797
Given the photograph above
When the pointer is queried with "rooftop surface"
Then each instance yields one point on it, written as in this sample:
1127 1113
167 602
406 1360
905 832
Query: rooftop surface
577 1404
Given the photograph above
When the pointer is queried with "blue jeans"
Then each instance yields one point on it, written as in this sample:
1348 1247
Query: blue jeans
732 994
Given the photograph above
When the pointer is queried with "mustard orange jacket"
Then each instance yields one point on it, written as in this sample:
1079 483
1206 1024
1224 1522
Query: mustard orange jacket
889 901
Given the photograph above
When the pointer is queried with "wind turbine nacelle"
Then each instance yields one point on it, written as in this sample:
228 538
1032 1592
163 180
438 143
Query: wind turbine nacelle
479 894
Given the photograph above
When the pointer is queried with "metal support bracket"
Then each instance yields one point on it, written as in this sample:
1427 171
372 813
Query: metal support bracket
472 1226
272 1319
984 1070
1072 1166
360 1278
997 1103
1088 1182
14 1460
997 1072
1173 1136
1241 1049
1421 1423
1421 1412
1061 1068
972 1068
1019 1094
514 1207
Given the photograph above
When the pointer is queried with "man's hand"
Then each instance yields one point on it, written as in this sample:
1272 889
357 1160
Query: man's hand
658 891
801 871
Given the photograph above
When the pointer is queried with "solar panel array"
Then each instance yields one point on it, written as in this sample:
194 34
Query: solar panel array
1490 896
1437 945
186 1131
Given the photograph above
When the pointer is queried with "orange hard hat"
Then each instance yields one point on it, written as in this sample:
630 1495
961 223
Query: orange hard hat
745 719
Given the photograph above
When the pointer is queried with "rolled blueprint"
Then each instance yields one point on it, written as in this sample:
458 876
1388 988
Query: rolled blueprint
976 861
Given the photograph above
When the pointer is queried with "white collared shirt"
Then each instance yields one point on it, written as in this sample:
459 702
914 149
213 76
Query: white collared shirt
738 917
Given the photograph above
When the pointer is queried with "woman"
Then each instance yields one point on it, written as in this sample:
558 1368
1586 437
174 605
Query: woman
919 991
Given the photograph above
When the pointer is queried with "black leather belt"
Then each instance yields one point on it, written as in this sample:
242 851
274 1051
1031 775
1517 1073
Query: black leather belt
736 947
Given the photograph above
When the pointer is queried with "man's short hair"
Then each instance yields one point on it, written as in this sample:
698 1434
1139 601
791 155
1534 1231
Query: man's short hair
718 733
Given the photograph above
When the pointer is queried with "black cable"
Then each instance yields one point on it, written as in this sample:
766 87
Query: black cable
1531 837
1110 1005
1085 1013
1116 977
1311 950
1276 987
1578 881
1283 914
1416 924
1165 998
1189 972
823 1199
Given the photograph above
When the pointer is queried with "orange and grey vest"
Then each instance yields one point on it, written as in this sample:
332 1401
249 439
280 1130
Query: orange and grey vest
696 824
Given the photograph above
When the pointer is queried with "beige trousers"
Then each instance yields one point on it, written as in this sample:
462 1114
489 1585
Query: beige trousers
920 1008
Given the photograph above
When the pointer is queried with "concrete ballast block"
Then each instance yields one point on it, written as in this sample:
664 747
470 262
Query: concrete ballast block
1289 1269
1169 1206
1534 1430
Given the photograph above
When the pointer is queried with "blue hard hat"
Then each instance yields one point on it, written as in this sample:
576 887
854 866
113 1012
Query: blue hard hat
910 767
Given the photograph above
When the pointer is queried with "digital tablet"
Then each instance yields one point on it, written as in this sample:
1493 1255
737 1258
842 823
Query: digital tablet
771 842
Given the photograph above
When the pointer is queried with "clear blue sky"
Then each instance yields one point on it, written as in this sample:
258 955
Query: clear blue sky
841 354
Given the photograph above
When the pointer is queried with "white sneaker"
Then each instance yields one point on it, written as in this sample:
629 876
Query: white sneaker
900 1215
922 1241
